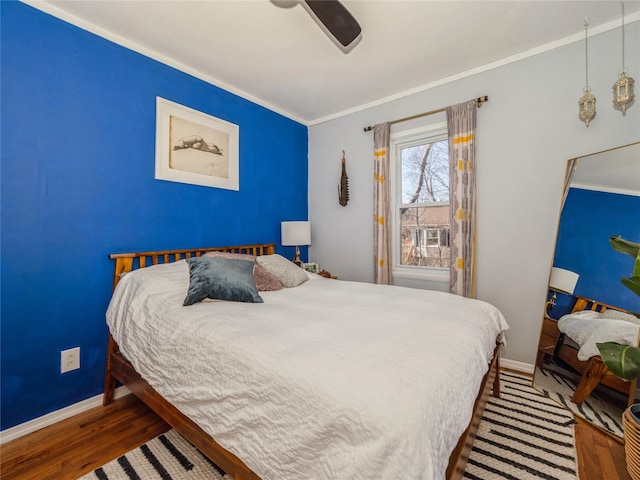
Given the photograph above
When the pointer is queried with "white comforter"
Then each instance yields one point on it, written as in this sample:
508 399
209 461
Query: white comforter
328 380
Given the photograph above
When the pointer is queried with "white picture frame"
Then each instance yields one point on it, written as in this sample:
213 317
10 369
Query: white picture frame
312 267
196 148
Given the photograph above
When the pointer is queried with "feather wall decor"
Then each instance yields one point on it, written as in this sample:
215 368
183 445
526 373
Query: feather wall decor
343 188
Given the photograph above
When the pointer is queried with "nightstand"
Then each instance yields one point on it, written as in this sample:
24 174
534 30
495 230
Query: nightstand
548 339
326 274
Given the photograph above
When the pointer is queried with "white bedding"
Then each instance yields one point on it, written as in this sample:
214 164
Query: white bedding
588 328
327 380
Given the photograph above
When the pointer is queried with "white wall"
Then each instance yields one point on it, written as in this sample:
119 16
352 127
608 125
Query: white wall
526 133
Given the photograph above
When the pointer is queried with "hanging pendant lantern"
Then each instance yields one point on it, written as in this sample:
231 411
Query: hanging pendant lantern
623 88
587 103
623 91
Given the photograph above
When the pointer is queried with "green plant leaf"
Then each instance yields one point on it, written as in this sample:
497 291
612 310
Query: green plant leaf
622 360
632 283
621 245
632 249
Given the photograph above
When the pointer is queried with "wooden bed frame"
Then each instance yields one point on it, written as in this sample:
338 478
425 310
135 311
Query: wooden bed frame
593 371
118 369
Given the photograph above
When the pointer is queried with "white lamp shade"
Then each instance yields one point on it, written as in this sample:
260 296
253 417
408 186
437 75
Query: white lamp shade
563 280
296 233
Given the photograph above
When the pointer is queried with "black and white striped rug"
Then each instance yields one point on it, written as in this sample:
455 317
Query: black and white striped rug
603 408
167 457
523 435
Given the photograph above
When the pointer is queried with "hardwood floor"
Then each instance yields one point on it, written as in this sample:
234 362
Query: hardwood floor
82 443
78 445
599 455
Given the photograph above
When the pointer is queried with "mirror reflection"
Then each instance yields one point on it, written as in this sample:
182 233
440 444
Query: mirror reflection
586 302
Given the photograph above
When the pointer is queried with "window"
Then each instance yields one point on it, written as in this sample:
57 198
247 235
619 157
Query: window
420 200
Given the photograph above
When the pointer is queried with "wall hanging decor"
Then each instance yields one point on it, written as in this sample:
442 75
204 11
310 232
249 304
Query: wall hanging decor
587 103
623 88
343 188
193 147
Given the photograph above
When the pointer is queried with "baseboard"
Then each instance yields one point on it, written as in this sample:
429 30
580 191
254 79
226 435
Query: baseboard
517 366
55 417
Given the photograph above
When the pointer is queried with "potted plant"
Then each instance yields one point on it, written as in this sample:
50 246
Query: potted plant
624 362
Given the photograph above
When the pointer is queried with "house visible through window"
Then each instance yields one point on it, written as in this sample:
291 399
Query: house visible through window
421 230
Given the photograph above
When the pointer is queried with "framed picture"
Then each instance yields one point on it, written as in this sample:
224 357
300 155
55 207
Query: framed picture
193 147
312 267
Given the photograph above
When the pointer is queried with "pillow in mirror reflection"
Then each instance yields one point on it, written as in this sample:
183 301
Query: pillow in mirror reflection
617 315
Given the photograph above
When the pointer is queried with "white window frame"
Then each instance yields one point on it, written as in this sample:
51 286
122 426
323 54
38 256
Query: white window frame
398 141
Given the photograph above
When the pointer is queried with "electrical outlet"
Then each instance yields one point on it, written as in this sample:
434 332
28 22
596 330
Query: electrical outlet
69 359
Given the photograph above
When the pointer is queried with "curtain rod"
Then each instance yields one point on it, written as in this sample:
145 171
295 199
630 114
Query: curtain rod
479 102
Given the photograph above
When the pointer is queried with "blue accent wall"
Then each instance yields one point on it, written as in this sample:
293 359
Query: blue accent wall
588 219
77 183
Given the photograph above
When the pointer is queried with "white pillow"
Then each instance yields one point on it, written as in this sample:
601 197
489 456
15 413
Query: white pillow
289 274
618 315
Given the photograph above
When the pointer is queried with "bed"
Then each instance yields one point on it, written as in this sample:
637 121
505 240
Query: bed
592 322
303 384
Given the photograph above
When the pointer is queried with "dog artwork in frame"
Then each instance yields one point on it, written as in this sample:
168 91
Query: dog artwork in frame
196 148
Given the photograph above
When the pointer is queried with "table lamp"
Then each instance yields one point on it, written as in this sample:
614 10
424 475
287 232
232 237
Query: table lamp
296 234
563 281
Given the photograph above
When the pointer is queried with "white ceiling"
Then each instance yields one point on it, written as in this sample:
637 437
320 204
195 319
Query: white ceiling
614 171
273 52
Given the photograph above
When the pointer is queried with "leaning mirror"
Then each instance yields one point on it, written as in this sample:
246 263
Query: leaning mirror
586 302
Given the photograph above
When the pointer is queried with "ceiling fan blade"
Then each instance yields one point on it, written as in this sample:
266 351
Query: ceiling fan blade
337 19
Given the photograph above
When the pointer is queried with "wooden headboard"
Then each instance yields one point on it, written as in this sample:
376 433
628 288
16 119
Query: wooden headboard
583 303
126 262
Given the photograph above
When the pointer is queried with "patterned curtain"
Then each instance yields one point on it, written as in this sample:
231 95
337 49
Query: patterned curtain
461 125
381 244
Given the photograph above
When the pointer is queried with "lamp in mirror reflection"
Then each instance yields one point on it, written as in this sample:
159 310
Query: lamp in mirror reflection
296 234
587 103
561 281
623 88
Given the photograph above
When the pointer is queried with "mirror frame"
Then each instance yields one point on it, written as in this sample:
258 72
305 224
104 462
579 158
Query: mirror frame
549 346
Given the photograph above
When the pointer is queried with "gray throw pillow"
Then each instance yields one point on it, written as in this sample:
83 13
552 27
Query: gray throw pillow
221 279
265 282
289 274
